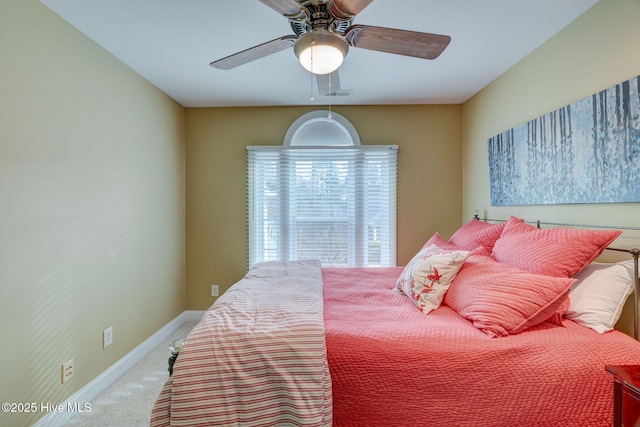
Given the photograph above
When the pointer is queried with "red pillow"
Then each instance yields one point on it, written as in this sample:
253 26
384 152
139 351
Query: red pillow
439 241
557 317
560 252
503 300
479 233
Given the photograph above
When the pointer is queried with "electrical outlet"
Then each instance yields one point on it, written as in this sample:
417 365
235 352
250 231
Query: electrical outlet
67 371
215 290
107 337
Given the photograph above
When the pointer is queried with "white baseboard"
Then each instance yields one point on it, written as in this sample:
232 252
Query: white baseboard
108 377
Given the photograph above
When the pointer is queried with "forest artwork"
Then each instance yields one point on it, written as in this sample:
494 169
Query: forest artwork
586 152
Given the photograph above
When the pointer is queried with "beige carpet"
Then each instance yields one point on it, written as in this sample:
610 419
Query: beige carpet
128 401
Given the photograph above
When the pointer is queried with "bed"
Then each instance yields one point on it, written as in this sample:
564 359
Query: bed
494 335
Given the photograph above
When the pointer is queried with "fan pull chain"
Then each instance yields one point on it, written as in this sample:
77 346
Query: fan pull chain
330 116
311 97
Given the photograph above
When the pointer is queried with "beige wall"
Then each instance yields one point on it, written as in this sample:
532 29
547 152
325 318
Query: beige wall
596 51
429 179
92 183
92 196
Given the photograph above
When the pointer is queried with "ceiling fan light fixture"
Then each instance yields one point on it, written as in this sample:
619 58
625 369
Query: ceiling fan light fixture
321 51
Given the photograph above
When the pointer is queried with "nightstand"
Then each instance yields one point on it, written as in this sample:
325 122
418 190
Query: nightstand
626 392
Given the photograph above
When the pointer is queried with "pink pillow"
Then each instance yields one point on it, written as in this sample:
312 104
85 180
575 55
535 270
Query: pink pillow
500 299
557 317
439 241
479 233
560 252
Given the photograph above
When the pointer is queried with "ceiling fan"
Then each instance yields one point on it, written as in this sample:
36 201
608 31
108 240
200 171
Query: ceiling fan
324 31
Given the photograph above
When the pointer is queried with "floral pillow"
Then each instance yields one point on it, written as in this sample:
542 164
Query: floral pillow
429 274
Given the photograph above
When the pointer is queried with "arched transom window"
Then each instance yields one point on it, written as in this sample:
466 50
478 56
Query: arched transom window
322 195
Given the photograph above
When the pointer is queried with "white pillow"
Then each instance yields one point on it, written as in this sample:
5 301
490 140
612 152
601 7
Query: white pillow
429 274
597 298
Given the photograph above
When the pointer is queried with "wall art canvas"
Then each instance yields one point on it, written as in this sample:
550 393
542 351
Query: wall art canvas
586 152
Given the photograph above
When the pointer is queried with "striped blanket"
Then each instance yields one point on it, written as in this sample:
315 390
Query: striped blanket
257 357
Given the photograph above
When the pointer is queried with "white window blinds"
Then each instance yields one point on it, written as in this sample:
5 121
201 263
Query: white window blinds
336 204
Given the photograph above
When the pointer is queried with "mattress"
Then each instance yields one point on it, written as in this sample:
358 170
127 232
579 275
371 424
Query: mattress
296 344
391 365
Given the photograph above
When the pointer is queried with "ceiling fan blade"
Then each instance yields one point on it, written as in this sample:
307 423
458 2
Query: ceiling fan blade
328 84
401 42
351 7
288 8
253 53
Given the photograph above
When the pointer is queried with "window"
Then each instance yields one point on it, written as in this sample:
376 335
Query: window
322 200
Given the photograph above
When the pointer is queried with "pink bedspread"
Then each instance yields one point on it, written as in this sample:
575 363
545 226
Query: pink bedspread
263 353
391 365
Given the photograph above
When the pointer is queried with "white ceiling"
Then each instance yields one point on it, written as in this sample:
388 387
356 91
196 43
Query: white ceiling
171 42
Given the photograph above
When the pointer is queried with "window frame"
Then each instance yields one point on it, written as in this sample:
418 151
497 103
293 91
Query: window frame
282 163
